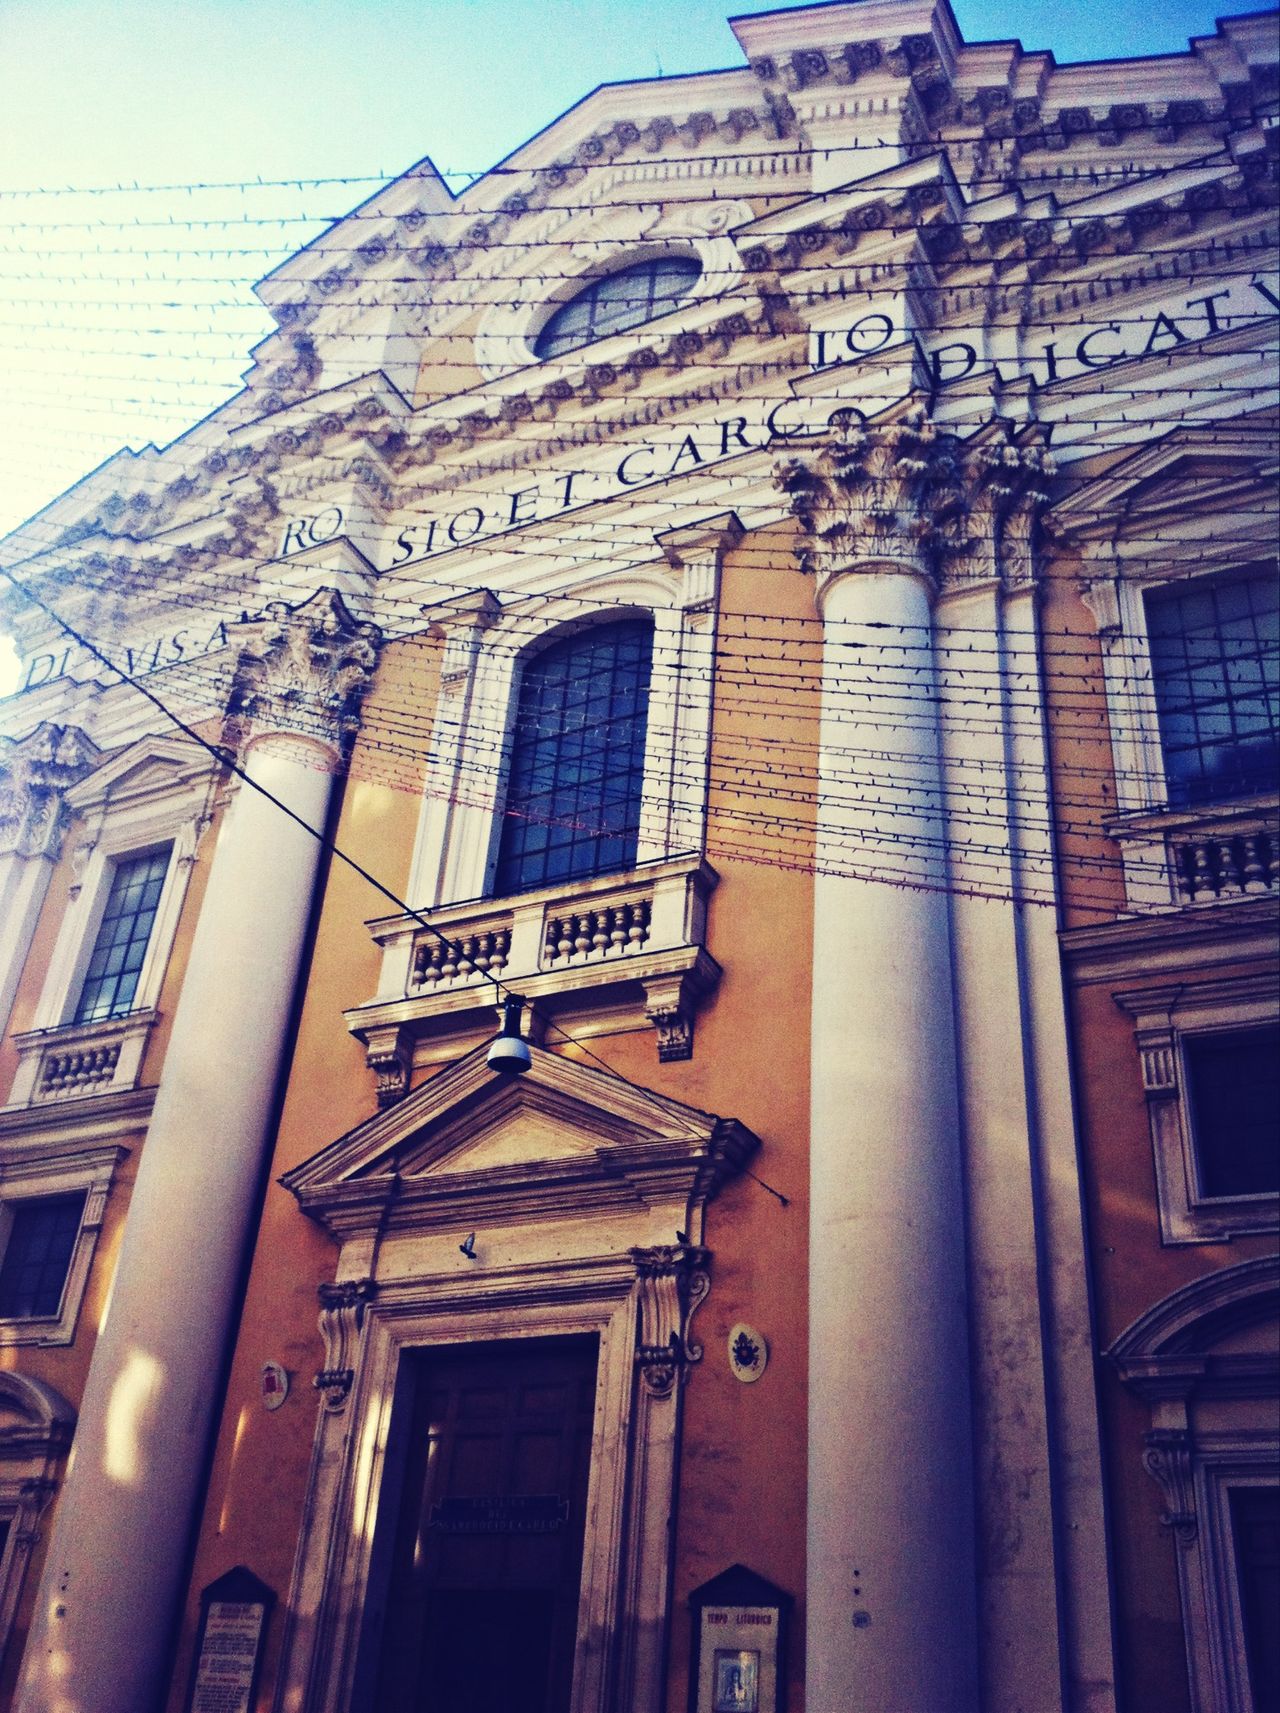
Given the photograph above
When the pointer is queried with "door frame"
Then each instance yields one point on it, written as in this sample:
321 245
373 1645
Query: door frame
636 1303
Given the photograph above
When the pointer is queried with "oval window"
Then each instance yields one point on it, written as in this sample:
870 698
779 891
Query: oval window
617 302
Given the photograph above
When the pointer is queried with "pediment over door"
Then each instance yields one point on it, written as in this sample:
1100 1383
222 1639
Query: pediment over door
562 1140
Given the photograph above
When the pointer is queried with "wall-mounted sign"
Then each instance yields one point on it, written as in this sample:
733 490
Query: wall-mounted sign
748 1353
738 1658
233 1622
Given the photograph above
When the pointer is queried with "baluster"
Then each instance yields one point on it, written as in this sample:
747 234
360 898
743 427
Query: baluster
1184 871
564 941
617 928
600 931
635 926
1228 873
501 946
1252 868
581 933
1202 876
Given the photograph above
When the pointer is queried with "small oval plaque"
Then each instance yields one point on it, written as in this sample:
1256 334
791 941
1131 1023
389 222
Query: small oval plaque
748 1353
275 1385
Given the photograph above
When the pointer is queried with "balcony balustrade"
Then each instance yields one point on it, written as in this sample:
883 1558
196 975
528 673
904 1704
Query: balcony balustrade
78 1059
615 951
1200 858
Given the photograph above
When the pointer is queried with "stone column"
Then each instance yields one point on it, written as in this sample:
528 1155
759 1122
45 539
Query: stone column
891 1584
35 772
101 1632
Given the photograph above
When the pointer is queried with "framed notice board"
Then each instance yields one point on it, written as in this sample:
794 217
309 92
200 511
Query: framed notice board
738 1661
233 1627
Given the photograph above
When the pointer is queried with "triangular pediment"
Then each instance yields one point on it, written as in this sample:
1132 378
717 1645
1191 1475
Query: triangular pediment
562 1135
150 768
1195 469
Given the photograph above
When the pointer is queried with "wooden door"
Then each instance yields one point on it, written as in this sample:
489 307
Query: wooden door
485 1568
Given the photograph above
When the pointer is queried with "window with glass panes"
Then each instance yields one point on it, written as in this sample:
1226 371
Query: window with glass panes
118 952
37 1255
1234 1087
1215 666
576 775
617 302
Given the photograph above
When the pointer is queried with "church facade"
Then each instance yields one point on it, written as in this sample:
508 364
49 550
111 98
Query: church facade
766 604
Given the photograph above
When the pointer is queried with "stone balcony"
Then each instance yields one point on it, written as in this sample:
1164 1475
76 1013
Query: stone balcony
1200 857
614 952
77 1059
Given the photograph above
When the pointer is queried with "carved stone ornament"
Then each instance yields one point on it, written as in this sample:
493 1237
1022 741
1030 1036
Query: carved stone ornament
674 1282
390 1053
304 670
35 773
1102 598
903 491
668 1006
342 1313
1167 1459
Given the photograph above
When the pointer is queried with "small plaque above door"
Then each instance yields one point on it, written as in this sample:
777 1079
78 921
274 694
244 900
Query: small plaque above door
503 1514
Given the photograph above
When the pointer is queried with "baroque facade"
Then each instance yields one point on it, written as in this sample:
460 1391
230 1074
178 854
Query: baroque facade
768 594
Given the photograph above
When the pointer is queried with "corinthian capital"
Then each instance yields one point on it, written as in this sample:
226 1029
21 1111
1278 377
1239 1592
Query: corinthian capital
35 773
902 491
874 492
304 670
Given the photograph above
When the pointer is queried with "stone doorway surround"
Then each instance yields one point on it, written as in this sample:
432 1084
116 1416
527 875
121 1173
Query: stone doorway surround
586 1195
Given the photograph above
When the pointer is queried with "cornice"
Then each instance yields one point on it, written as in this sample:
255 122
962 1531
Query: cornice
1132 946
76 1124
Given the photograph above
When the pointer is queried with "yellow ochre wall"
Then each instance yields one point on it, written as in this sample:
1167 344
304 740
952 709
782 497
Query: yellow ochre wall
743 1460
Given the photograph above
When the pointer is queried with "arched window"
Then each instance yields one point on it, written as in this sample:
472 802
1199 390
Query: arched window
577 761
616 302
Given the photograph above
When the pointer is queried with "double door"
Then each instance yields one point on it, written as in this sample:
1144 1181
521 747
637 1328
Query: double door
482 1539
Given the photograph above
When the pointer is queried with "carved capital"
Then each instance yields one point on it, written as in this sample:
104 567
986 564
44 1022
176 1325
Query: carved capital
872 493
698 551
1003 477
35 774
342 1314
304 670
461 625
902 491
1167 1460
673 1282
1159 1067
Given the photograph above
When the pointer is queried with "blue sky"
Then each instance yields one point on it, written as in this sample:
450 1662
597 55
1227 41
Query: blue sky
117 326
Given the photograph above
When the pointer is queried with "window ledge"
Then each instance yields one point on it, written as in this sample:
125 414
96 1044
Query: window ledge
611 952
78 1059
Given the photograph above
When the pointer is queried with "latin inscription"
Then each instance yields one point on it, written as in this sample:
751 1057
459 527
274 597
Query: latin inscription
1079 350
